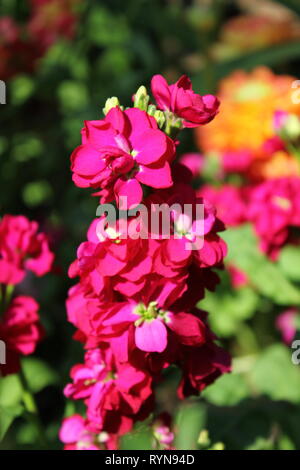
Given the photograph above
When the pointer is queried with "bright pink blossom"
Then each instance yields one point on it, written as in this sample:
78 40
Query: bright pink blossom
286 324
180 98
76 436
22 248
274 208
230 202
194 162
121 152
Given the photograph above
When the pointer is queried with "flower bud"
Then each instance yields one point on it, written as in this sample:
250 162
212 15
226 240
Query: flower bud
141 99
160 118
203 439
151 109
110 103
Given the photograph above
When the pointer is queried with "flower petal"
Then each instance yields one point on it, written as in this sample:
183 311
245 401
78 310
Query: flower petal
151 336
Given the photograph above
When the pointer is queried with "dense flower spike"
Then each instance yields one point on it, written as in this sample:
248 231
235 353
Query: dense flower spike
140 275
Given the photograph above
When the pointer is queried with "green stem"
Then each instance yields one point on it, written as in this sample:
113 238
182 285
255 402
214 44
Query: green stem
31 409
5 296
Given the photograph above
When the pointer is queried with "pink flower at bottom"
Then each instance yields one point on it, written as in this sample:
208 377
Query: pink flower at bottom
75 435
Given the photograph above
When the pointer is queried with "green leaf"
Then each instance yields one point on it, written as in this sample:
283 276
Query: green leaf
36 193
289 262
7 416
107 29
229 308
269 57
275 375
190 420
73 95
264 275
21 89
10 391
38 374
228 390
140 438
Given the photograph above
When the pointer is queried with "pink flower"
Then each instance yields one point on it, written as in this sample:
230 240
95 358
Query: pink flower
286 324
22 248
279 120
229 201
110 390
237 161
238 278
121 152
152 326
183 101
274 207
76 436
134 304
194 162
162 431
9 30
21 330
51 20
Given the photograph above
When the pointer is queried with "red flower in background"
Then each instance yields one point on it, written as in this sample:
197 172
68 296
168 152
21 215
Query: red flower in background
20 329
22 248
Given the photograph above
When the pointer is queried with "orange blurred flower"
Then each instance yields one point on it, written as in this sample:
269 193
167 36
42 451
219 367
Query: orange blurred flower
245 121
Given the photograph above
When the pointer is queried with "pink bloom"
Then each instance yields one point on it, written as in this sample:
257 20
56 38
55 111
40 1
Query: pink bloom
229 201
194 162
279 120
274 207
272 145
9 30
121 152
183 101
21 330
110 390
151 336
236 161
286 324
152 326
22 248
134 304
76 436
162 431
50 20
238 277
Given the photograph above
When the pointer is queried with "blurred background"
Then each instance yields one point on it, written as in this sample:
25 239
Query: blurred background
61 60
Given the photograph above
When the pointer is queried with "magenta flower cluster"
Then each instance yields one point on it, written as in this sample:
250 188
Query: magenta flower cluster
134 305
